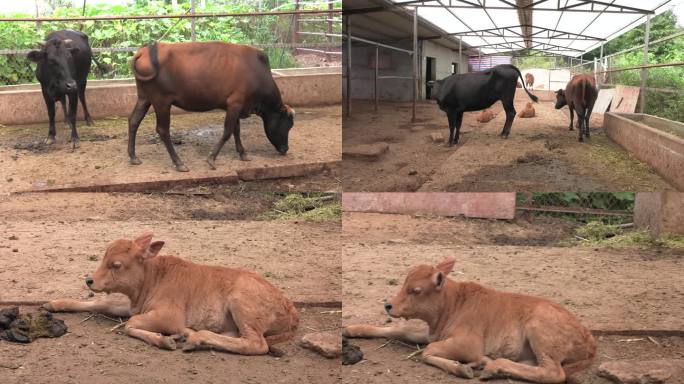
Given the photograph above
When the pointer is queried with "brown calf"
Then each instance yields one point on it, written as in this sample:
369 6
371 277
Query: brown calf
580 95
171 299
527 112
508 335
485 116
529 80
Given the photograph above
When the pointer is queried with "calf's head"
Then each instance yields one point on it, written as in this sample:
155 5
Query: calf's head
277 125
421 295
122 268
560 99
55 62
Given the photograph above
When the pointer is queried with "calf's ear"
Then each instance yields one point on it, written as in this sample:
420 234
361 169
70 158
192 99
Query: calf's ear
36 56
438 279
143 241
446 266
153 249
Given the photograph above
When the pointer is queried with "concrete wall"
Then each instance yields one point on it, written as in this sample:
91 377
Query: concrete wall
24 104
444 57
661 212
661 150
491 205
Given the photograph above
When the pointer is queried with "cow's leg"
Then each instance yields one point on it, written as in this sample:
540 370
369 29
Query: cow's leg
250 341
109 305
455 119
446 354
152 326
50 105
62 100
163 112
238 144
408 332
73 107
229 125
510 116
572 116
81 96
590 108
134 120
549 371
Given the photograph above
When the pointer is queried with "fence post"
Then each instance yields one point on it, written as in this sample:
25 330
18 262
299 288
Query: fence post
460 56
415 63
349 63
295 25
375 77
644 71
192 21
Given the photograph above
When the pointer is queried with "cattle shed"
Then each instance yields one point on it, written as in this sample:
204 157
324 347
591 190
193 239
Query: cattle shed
387 37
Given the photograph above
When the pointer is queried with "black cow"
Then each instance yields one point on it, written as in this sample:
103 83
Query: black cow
475 91
63 67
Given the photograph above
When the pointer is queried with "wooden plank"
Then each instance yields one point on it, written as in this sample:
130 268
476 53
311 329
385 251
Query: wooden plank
605 96
625 99
590 211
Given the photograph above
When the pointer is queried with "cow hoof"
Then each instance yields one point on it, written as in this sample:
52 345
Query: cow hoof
167 343
135 161
211 163
182 168
49 140
89 121
581 139
75 143
571 129
48 307
465 371
244 157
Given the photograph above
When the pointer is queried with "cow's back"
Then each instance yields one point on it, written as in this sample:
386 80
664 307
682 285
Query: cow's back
202 76
581 90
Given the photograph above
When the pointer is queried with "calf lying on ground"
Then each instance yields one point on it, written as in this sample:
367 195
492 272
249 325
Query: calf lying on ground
527 112
485 116
580 95
173 299
509 335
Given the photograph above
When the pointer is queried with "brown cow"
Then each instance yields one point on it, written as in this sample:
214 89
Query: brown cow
527 112
580 95
529 80
485 116
508 335
204 76
171 299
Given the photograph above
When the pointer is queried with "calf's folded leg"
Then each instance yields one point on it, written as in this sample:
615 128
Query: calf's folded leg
151 327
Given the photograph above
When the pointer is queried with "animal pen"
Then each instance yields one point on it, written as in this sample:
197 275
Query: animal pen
560 36
300 38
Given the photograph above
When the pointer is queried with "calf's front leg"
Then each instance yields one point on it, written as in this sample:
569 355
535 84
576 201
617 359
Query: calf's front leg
151 327
108 305
407 332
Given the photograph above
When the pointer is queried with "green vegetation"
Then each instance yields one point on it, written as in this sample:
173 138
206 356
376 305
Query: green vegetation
305 206
14 69
598 234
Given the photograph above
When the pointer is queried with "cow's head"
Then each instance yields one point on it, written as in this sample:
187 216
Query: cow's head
122 268
56 63
434 85
421 295
560 99
277 125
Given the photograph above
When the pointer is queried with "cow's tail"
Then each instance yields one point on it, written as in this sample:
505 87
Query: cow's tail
533 97
147 72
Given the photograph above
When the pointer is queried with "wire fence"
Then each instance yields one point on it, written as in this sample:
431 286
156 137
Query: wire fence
294 34
608 207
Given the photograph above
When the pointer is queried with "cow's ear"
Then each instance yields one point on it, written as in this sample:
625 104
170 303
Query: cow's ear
438 279
446 266
36 56
143 241
153 249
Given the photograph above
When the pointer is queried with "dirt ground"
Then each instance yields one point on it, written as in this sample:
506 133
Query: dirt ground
50 242
91 353
609 290
539 155
102 158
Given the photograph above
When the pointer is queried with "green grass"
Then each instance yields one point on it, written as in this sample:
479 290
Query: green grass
599 234
304 206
